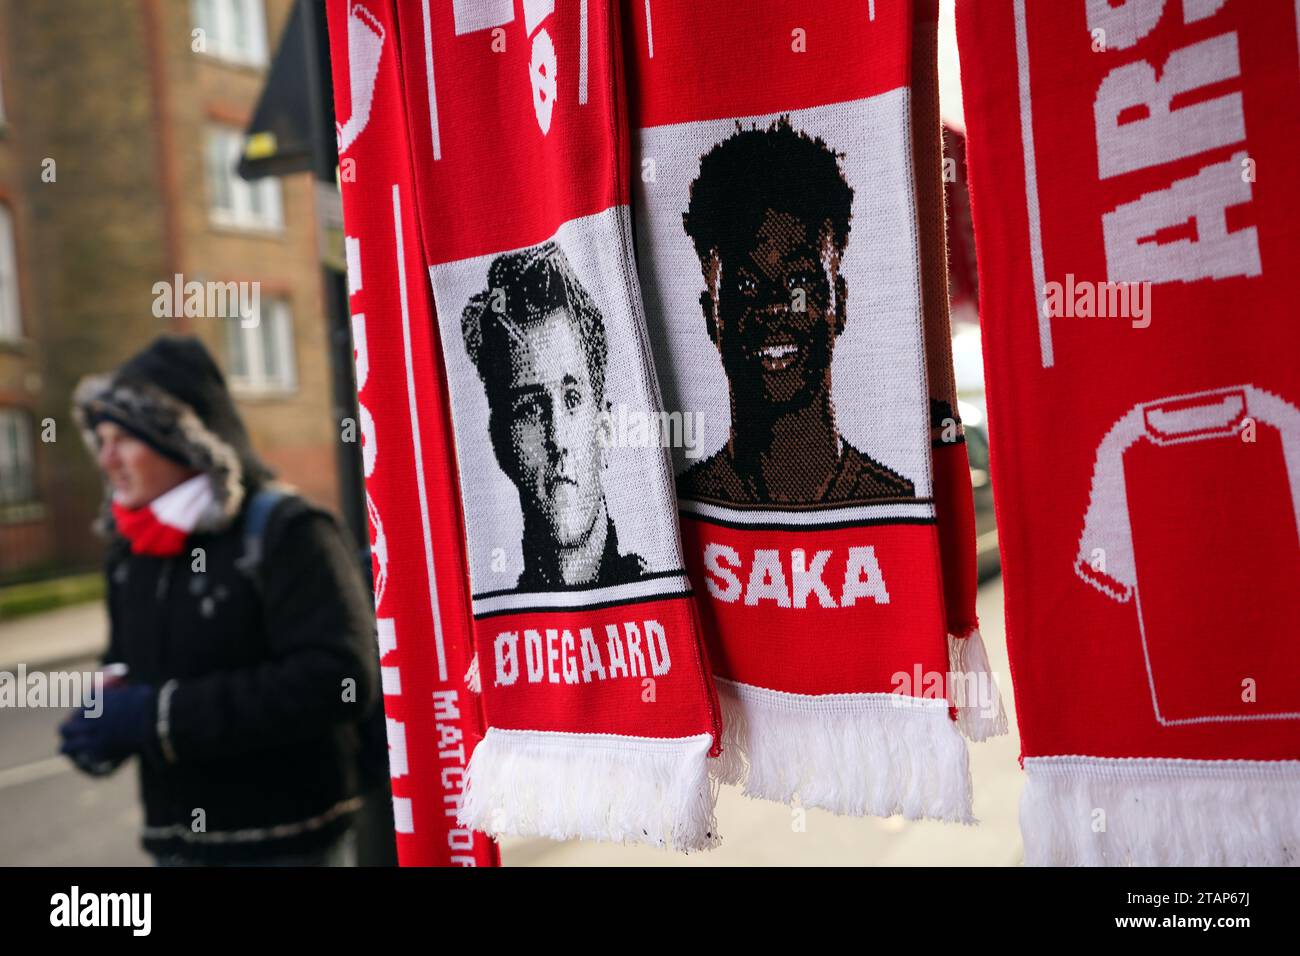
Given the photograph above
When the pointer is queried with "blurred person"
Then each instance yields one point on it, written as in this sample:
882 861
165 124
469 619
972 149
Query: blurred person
241 619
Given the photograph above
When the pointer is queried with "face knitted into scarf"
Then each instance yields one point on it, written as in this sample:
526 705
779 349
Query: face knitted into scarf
539 345
769 216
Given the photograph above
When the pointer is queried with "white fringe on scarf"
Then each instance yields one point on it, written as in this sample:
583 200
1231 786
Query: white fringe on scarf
853 754
974 688
1105 811
592 787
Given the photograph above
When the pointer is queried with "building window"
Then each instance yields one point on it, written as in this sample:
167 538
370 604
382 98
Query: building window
234 30
260 355
11 322
17 474
236 202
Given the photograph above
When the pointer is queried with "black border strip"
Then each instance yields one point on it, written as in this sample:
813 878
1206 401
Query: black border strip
817 526
652 576
811 509
598 606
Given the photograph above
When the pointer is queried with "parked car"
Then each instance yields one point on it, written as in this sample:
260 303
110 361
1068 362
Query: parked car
974 424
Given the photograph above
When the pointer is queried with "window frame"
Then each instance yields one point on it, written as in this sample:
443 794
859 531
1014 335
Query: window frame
221 43
223 146
11 300
274 313
19 456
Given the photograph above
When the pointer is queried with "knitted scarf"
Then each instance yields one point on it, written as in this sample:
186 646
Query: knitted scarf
972 690
790 247
159 529
1134 280
790 515
416 529
599 708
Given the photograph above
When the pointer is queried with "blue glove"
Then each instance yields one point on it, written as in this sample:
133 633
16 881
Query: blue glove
126 726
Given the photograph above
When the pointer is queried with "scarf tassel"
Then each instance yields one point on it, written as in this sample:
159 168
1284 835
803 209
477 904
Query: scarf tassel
602 787
1107 811
853 754
974 688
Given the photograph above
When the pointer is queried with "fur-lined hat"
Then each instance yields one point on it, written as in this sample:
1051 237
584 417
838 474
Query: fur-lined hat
173 397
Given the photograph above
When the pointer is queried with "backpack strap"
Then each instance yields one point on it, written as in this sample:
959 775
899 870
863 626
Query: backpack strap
256 520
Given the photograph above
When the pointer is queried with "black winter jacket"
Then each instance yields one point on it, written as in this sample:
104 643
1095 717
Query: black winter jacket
262 682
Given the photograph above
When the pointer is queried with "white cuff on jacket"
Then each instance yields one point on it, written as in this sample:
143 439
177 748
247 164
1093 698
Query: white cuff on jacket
164 720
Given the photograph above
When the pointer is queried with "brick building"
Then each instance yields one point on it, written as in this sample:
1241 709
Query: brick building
120 123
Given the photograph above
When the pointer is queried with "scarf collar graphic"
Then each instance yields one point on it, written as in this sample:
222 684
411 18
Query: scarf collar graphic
159 529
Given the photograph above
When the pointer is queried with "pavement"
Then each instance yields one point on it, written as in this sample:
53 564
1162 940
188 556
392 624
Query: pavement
53 638
52 815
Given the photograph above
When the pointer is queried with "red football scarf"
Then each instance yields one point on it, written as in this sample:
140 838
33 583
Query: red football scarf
599 707
417 541
778 249
821 584
972 688
159 529
1135 285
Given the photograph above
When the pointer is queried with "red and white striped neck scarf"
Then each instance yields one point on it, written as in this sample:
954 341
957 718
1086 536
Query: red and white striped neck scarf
159 529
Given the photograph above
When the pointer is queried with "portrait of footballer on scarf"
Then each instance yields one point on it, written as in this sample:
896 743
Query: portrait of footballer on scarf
770 216
542 366
780 310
